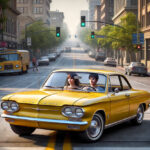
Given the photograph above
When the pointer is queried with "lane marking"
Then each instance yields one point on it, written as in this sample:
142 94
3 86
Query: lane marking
52 141
67 143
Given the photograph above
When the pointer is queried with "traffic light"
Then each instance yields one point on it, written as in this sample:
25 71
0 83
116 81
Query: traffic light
82 21
92 35
139 47
57 31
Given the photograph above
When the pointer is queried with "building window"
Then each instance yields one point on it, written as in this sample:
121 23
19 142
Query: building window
23 9
143 3
148 19
37 1
22 1
37 10
148 48
134 2
143 21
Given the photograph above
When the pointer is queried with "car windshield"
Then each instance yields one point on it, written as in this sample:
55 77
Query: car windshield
137 64
9 57
58 80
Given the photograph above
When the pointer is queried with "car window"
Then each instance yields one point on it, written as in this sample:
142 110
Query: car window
59 80
125 84
114 82
56 80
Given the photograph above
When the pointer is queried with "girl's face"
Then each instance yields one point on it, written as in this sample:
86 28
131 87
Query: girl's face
71 81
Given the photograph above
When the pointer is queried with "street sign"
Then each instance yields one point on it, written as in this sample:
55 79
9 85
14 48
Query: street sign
141 38
138 38
29 42
100 36
134 38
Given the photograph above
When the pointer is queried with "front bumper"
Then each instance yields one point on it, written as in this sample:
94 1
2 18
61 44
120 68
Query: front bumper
10 71
67 122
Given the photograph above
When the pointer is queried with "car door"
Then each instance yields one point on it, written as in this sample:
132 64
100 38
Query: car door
119 100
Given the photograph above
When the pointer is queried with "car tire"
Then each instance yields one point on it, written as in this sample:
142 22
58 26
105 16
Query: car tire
139 116
95 130
21 130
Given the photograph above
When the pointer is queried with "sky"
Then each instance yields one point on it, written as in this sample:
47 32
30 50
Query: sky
71 9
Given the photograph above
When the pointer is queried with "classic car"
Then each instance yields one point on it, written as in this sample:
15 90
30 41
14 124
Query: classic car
136 68
86 112
44 60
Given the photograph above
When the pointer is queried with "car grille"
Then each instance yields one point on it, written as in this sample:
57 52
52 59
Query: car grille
8 67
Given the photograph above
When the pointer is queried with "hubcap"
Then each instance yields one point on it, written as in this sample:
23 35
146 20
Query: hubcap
95 127
139 114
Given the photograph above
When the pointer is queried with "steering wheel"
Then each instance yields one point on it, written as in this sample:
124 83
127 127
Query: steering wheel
90 88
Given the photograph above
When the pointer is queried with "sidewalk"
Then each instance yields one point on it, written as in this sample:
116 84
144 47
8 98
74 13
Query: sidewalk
122 68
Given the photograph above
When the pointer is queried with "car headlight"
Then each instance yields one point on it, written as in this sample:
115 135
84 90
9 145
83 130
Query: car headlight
0 67
10 106
72 111
5 105
14 106
79 112
68 111
17 66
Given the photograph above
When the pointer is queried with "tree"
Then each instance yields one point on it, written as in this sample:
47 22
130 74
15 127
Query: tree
44 38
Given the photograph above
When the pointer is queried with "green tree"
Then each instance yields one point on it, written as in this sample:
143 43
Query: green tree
85 37
44 38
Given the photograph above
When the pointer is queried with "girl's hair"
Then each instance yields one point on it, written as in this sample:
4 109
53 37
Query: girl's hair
75 77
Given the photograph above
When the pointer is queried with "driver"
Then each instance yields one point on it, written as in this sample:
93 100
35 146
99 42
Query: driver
93 78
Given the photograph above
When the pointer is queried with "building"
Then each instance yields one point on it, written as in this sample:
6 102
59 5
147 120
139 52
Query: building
8 36
97 17
121 8
107 12
92 5
144 19
56 18
38 9
85 13
32 10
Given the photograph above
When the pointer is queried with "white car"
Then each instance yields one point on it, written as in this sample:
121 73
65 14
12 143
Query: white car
110 61
43 61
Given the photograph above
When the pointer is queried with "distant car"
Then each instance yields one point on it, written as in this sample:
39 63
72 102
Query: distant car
91 54
43 61
67 49
100 56
136 68
110 61
52 56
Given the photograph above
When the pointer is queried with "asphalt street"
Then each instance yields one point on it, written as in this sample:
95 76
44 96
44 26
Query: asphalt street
124 136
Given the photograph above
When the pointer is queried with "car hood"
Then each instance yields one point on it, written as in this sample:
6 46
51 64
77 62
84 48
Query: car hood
56 98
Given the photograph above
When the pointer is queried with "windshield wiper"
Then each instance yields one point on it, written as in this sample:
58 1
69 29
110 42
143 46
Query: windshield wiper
54 87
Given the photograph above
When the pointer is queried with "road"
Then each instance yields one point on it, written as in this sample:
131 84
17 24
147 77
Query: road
124 136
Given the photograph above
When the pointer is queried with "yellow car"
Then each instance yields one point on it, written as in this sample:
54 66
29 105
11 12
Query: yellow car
87 111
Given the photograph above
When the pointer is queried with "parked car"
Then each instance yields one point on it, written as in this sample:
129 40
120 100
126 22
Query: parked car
88 112
91 54
100 56
52 56
68 49
44 60
110 61
136 68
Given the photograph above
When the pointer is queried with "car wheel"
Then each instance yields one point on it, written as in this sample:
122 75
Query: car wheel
139 116
95 130
21 130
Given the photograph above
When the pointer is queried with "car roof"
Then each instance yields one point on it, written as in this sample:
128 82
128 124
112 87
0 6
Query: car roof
107 72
